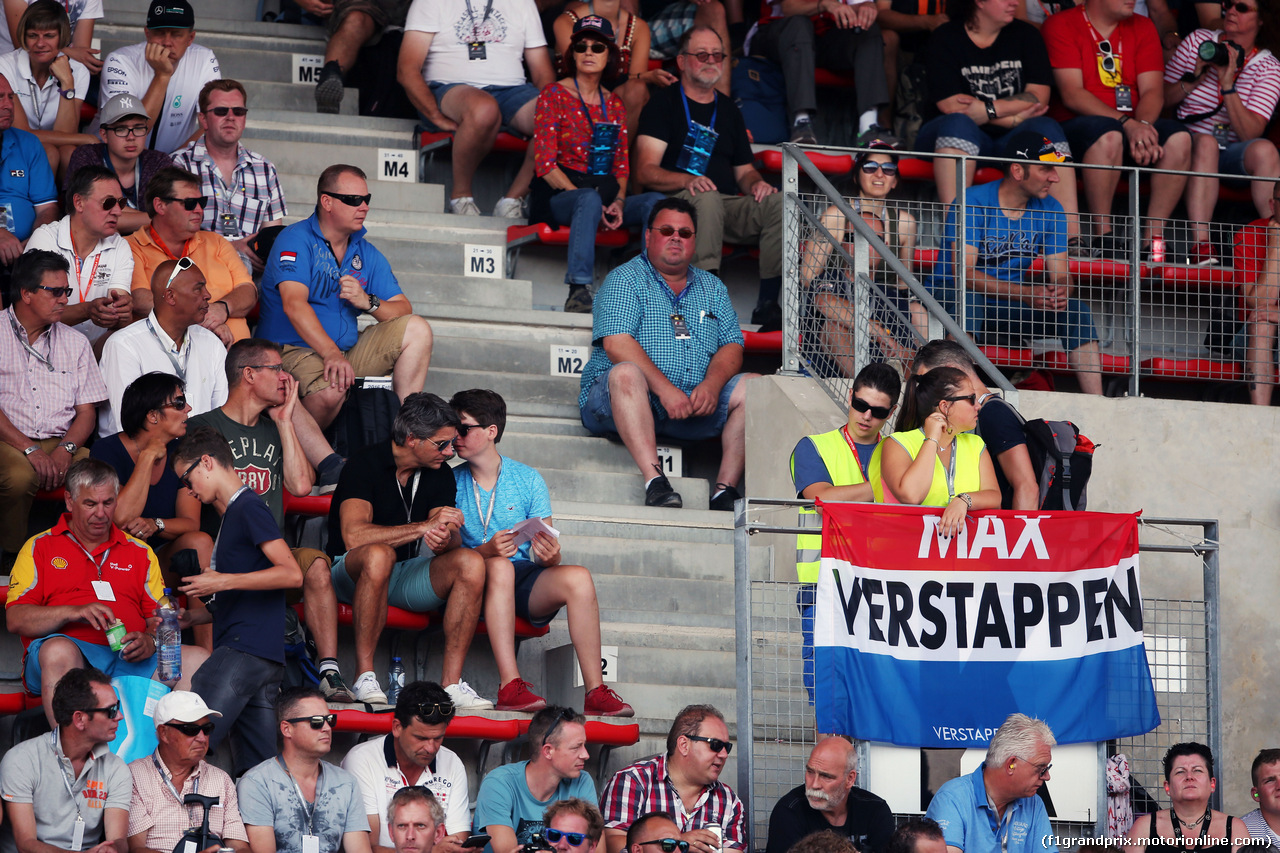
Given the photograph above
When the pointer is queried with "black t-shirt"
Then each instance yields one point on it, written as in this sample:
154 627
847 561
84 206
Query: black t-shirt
868 822
954 65
249 620
370 475
663 118
162 498
999 427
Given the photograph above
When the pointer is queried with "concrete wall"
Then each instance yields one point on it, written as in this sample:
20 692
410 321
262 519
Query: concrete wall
1164 457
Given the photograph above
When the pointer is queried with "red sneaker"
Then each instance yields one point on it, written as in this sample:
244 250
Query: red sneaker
603 702
1202 255
517 695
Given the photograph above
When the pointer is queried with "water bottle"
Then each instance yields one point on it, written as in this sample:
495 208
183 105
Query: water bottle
168 641
395 680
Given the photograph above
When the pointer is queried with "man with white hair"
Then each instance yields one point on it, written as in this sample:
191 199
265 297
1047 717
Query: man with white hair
828 800
995 809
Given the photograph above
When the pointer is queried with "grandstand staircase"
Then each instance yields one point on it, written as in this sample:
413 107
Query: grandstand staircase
664 577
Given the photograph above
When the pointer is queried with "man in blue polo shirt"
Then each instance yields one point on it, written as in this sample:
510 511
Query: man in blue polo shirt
667 351
320 277
995 809
28 197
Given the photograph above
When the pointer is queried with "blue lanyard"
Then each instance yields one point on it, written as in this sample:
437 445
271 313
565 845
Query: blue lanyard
662 283
604 105
715 108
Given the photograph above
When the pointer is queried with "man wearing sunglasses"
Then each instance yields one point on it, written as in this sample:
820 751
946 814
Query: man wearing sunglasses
101 261
176 204
995 808
46 413
708 814
413 755
242 187
157 816
829 800
49 808
573 826
322 275
295 802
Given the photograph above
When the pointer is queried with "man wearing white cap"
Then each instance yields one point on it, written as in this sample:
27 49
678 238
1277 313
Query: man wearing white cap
157 816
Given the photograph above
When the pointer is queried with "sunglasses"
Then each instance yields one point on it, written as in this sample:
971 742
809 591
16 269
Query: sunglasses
177 403
575 839
594 47
272 367
110 202
1239 7
185 479
668 230
971 399
871 167
112 711
714 742
192 729
188 203
124 131
221 112
350 199
463 429
862 406
184 263
316 721
440 445
669 845
566 715
433 710
57 292
1108 56
707 56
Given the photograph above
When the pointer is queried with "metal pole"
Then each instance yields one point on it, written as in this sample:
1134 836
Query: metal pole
742 634
791 208
1213 647
1135 283
961 270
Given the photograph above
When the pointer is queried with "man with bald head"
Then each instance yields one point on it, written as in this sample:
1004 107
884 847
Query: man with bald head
828 800
170 339
648 832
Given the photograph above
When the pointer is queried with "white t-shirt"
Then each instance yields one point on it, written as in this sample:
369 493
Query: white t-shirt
40 103
76 10
512 27
108 267
126 71
379 781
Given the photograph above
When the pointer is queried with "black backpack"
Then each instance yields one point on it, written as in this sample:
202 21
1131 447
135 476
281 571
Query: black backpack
1062 458
365 418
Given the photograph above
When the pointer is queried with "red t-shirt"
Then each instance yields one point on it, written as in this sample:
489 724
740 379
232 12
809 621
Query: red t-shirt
1072 43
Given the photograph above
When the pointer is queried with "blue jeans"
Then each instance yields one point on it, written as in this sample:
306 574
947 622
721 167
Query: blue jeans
597 414
805 596
581 209
244 688
957 130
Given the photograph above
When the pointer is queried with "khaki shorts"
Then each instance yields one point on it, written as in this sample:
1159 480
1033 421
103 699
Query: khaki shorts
374 354
305 557
383 13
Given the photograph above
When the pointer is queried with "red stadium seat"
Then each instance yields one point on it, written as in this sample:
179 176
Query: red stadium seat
1192 368
831 165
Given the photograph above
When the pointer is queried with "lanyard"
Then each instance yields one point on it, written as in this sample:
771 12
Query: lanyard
47 361
604 105
844 430
37 101
168 783
213 559
715 108
80 286
309 812
475 491
179 368
156 239
666 288
1177 828
137 175
950 470
1097 36
416 545
97 561
66 783
475 28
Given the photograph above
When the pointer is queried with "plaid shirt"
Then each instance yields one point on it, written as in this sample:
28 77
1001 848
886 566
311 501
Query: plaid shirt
39 394
253 197
646 787
156 812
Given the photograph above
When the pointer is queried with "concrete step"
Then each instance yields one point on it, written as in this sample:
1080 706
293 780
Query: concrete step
299 127
650 591
312 158
635 521
409 200
427 290
242 9
606 488
208 25
687 561
268 97
567 452
530 356
273 39
519 391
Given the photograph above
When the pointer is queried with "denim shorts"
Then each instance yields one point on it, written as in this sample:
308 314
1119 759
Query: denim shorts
527 574
597 414
510 99
1083 131
96 656
410 587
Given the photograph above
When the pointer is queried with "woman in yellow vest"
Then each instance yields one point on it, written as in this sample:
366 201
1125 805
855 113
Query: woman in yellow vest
933 459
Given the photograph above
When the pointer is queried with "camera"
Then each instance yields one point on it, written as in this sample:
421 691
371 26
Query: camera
535 844
1218 52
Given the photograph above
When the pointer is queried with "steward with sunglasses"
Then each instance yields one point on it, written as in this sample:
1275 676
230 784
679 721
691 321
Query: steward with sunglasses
176 205
157 816
100 259
86 809
243 590
683 785
49 387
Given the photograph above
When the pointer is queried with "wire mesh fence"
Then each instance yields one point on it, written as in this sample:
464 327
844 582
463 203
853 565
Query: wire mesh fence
1104 299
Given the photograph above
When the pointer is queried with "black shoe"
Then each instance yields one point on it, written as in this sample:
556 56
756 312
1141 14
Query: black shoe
329 89
660 493
1111 246
579 300
768 317
725 500
802 133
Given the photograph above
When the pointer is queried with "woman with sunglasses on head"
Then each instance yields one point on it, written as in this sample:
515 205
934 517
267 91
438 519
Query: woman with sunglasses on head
124 125
933 459
572 826
580 156
1226 101
48 85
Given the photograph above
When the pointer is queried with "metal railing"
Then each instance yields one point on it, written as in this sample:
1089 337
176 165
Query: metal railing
775 721
854 292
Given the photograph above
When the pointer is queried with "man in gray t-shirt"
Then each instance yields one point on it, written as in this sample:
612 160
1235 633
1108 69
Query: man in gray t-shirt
294 796
65 788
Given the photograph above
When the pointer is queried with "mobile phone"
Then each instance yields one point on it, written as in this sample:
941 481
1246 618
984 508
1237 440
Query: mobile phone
476 841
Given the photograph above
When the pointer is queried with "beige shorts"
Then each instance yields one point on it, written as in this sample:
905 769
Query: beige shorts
374 354
306 557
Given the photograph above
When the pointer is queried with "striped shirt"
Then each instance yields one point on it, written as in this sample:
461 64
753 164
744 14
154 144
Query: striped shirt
39 392
1258 84
252 197
647 787
1259 828
156 811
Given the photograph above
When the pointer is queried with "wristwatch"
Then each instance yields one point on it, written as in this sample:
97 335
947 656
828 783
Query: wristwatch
70 446
991 108
159 525
69 94
32 449
374 304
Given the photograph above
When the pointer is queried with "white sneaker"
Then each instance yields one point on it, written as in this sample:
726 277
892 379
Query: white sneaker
367 690
464 698
509 208
465 206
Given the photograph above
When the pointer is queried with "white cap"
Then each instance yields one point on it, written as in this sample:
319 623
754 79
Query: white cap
182 706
